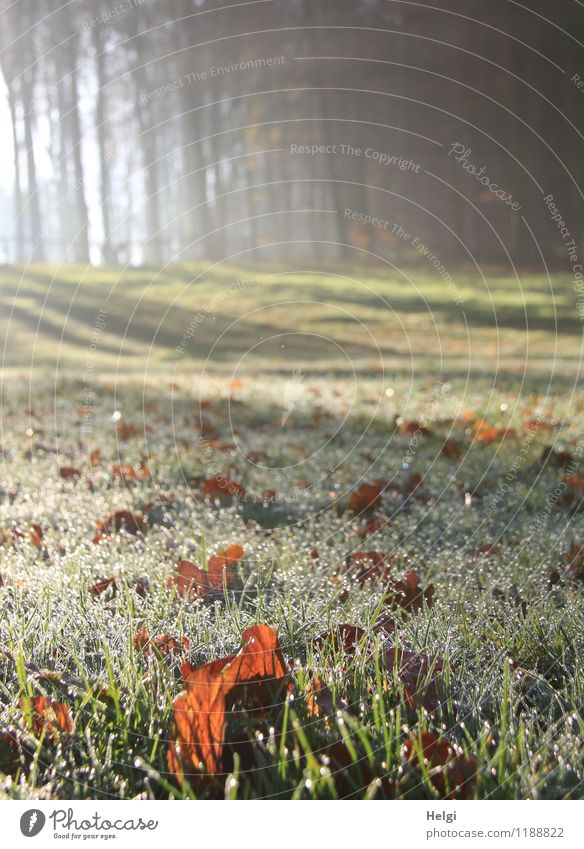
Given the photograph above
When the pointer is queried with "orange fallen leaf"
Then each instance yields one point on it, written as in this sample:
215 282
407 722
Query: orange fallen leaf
191 580
49 714
221 488
254 678
163 645
36 535
129 474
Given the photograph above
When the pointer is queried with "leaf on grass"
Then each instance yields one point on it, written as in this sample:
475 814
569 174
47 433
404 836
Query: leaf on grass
127 431
451 772
409 428
102 586
490 549
409 594
367 497
373 526
163 645
68 473
130 474
36 535
574 558
555 457
15 754
193 581
251 680
418 673
222 488
320 701
486 433
119 520
47 714
341 638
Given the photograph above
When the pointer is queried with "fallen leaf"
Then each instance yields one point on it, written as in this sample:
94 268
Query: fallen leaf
102 586
373 526
119 520
15 754
255 678
409 594
127 431
452 773
341 638
191 580
409 428
418 673
221 488
49 714
366 497
69 473
164 645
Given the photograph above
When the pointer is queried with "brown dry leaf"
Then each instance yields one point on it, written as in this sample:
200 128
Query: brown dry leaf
320 701
342 638
452 773
15 754
364 566
49 714
131 474
36 535
253 679
409 428
221 488
164 645
366 497
414 670
373 526
409 594
555 457
67 473
574 558
119 520
127 431
192 580
102 586
490 549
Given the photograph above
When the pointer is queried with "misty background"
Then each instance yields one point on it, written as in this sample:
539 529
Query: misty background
154 131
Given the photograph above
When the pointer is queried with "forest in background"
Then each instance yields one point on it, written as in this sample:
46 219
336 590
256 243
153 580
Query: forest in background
152 131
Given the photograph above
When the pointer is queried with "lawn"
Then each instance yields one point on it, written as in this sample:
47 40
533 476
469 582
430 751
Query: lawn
384 469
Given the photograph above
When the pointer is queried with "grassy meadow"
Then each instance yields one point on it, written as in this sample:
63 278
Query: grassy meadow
399 466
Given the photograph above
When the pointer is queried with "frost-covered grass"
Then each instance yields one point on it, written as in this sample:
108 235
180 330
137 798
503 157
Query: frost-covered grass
522 722
487 607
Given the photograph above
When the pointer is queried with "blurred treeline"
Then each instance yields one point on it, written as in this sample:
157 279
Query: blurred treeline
156 130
